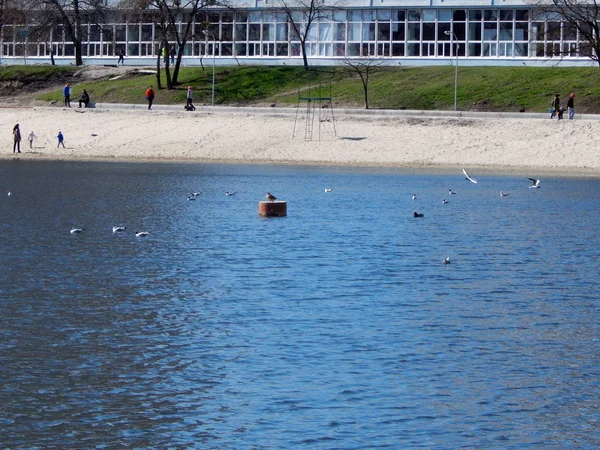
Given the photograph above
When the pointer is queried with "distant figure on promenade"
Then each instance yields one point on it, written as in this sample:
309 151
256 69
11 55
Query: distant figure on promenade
121 58
571 106
67 95
554 107
30 138
173 53
150 96
165 55
561 111
61 139
16 139
85 99
189 106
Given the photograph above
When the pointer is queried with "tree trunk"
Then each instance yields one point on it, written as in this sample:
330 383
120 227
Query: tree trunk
304 58
158 85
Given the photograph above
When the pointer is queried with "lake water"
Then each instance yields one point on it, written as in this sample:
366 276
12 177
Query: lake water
336 327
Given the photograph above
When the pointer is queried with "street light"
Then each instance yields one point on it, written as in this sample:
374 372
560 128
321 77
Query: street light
207 33
453 36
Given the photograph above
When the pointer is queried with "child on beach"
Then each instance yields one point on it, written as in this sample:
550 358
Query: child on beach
30 138
61 139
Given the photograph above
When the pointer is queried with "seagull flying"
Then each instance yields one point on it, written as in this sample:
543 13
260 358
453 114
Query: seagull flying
503 194
270 197
472 180
535 183
451 192
142 233
118 228
76 230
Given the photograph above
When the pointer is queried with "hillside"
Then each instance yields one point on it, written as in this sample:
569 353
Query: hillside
423 88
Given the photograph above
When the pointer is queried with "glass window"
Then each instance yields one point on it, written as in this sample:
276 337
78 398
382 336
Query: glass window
506 14
241 30
399 16
398 32
414 49
522 14
133 32
353 49
339 16
120 33
254 34
429 31
355 15
521 32
445 15
368 31
506 31
147 32
383 31
368 15
414 32
474 49
340 49
354 31
459 15
475 14
475 31
282 49
490 31
414 15
429 15
340 32
490 14
325 32
397 49
227 32
441 32
241 16
268 32
282 32
240 49
133 49
384 14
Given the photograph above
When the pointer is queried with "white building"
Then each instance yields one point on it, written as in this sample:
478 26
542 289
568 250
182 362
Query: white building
406 32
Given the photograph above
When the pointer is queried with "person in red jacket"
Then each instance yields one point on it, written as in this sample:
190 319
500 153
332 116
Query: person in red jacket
150 96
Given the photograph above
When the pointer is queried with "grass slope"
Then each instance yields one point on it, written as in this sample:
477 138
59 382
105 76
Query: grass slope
426 88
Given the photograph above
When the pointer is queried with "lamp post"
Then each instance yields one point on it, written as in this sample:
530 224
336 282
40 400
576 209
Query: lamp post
453 37
207 33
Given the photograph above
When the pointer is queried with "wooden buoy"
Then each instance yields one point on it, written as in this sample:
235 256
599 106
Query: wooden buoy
276 208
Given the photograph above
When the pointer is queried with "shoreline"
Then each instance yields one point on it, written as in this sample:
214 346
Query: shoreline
430 144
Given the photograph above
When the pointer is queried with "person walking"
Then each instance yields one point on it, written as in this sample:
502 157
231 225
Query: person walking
150 96
189 106
121 58
67 95
173 53
16 139
571 106
61 139
30 138
555 106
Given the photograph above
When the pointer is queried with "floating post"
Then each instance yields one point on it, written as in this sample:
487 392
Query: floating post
276 208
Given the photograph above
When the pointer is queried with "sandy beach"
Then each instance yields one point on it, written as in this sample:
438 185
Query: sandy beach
492 144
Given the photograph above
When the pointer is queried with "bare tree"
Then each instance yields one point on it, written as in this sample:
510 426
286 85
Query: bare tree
72 15
301 16
364 67
175 21
580 17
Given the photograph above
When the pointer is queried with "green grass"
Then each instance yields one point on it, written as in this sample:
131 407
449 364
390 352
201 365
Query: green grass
426 88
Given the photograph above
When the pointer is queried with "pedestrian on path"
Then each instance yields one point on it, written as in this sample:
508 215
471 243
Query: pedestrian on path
150 96
67 95
571 106
61 139
121 58
189 106
16 139
555 106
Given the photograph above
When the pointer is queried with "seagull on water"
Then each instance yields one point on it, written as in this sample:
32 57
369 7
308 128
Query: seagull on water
191 197
328 190
451 192
503 194
270 197
76 230
535 183
9 193
118 228
472 180
229 193
416 214
446 260
196 194
445 201
142 233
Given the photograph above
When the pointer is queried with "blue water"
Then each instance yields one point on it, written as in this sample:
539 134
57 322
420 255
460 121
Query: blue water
336 327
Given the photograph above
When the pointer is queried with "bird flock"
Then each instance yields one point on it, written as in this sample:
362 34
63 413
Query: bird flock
535 184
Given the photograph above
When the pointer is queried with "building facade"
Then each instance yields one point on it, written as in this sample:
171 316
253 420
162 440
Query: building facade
406 32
